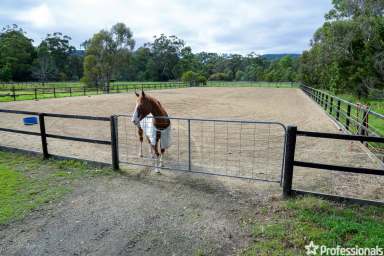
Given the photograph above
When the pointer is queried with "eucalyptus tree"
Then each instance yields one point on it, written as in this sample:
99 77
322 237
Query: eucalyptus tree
16 54
105 51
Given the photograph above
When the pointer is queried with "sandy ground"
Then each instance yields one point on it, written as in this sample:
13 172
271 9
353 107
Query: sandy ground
287 106
178 214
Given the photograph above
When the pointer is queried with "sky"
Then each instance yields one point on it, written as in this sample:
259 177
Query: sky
222 26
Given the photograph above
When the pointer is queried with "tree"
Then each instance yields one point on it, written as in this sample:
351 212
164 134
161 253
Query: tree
166 52
347 51
61 52
104 51
16 54
44 67
6 73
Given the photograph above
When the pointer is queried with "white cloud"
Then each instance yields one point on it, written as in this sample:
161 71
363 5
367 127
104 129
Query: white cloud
238 26
39 16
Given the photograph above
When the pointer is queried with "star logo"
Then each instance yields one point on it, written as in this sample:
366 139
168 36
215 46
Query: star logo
311 248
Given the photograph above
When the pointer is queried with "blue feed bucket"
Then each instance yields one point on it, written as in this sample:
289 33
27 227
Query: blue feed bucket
30 120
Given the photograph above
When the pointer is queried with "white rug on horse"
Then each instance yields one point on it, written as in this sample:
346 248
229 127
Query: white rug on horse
150 131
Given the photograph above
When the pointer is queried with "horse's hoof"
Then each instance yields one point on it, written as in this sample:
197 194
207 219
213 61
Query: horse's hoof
157 171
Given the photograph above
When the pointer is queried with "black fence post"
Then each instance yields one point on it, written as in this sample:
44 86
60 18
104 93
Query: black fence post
347 121
114 143
84 91
331 106
338 110
35 93
326 103
289 157
54 92
364 123
14 93
70 91
43 136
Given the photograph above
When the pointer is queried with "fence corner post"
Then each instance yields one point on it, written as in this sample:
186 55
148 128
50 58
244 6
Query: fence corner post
114 143
289 159
43 136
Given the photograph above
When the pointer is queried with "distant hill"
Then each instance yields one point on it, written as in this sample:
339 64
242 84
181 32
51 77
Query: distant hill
273 57
79 53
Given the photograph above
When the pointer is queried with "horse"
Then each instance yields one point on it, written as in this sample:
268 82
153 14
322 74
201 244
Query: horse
151 119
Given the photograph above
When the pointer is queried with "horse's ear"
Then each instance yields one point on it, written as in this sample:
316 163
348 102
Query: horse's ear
142 93
137 95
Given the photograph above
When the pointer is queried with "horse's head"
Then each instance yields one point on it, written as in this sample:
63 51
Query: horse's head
142 108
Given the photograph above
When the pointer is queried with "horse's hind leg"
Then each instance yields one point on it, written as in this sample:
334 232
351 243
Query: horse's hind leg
140 131
151 151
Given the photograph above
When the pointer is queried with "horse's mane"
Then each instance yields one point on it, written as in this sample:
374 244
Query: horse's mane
158 105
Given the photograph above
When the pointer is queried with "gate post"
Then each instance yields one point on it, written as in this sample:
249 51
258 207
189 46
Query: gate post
43 136
289 159
114 143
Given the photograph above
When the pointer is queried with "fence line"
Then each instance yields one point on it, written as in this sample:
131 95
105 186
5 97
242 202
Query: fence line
41 92
35 93
44 135
333 105
290 163
352 118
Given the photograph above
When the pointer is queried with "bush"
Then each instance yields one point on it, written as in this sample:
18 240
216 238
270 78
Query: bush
219 77
193 78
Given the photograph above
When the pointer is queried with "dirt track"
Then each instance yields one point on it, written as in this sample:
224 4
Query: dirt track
172 214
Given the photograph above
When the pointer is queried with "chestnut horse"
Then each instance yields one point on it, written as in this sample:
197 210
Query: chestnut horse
150 118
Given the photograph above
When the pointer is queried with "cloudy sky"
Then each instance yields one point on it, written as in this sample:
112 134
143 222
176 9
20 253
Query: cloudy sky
230 26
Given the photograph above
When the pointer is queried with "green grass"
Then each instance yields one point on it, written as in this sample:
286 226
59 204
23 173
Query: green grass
28 182
296 222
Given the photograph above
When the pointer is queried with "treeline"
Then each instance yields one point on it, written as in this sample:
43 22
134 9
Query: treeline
347 52
109 55
53 60
346 55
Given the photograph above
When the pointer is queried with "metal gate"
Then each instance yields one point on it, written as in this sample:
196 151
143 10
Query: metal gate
241 149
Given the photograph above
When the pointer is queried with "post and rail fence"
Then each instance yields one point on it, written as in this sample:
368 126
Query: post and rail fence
290 163
113 142
35 93
355 119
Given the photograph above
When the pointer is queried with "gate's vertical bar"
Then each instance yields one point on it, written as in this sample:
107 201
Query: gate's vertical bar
43 136
189 146
289 159
114 143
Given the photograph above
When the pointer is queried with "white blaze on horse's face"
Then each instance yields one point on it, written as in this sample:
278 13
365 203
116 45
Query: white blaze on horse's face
135 116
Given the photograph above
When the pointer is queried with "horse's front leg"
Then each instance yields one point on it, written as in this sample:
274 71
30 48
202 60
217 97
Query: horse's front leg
140 131
162 156
157 154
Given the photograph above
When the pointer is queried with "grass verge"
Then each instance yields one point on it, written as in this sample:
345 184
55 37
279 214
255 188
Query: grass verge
28 182
289 227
